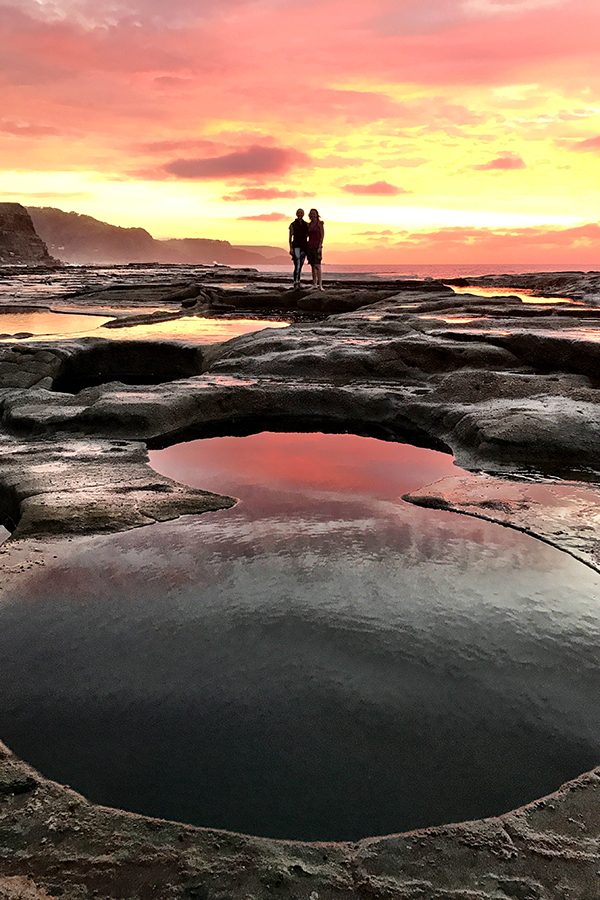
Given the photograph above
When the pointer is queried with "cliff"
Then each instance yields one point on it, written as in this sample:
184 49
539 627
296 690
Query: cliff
76 238
19 242
82 239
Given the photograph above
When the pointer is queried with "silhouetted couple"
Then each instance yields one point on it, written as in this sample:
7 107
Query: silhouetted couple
306 242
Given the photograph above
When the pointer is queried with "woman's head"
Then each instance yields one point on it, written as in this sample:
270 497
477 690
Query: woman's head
314 216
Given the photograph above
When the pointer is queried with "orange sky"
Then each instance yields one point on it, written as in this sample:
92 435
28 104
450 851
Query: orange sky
448 131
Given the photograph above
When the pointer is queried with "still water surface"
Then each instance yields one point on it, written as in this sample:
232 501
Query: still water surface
39 325
322 661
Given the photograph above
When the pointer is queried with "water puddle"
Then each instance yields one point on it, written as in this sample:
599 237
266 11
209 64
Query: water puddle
453 318
524 295
192 329
322 661
43 323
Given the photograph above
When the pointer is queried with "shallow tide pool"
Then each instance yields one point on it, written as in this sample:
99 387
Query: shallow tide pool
39 325
322 661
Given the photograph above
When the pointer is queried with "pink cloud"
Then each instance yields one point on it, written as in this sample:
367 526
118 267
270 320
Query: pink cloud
377 188
589 144
108 74
254 160
265 217
576 247
259 193
503 162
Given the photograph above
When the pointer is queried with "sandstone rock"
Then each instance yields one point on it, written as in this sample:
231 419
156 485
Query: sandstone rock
19 242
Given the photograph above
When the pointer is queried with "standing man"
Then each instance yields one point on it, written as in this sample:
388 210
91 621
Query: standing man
298 244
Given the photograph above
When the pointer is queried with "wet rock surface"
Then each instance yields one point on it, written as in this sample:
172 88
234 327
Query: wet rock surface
577 285
509 387
70 848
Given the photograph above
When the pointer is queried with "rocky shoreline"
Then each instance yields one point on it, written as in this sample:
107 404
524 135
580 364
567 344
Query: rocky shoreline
509 387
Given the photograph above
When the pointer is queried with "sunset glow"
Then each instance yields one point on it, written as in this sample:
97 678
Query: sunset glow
454 131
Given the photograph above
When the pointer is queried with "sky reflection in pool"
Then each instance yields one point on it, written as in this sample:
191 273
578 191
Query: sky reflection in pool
193 329
524 295
43 324
321 661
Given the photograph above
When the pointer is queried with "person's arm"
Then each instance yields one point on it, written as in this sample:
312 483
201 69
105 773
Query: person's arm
322 235
291 234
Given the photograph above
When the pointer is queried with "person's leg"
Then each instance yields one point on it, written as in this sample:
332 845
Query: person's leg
300 265
297 264
319 271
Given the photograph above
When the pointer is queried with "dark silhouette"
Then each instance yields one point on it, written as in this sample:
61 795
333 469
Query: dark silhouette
298 244
314 251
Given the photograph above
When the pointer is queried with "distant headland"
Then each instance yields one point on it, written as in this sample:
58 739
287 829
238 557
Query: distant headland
44 235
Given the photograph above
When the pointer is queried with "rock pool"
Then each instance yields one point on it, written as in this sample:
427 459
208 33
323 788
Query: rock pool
39 325
322 661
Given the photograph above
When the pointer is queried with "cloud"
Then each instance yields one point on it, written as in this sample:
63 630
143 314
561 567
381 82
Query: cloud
103 13
27 129
544 240
259 193
589 144
255 160
377 189
575 247
265 217
502 163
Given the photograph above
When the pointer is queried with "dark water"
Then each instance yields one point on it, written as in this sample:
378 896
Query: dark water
322 661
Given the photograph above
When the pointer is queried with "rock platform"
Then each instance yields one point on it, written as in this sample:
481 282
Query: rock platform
509 387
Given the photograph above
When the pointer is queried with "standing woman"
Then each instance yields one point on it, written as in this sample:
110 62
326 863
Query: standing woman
314 250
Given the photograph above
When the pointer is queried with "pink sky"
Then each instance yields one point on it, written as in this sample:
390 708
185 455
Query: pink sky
459 130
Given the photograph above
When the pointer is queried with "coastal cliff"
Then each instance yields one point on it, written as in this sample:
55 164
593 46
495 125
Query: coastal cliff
20 244
82 240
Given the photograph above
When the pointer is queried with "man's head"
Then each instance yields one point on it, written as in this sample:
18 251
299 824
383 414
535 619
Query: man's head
299 213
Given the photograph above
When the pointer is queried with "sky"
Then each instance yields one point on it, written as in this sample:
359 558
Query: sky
462 131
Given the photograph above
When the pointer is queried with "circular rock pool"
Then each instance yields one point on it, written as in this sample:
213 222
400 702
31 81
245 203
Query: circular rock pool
322 661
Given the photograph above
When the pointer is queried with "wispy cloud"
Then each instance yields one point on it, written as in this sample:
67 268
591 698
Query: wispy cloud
259 193
265 217
504 162
375 189
254 160
592 143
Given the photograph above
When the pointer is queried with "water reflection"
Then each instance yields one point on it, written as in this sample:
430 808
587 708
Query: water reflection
44 322
525 295
192 329
321 661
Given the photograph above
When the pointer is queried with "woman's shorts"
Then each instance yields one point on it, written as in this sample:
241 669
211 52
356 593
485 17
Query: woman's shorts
314 256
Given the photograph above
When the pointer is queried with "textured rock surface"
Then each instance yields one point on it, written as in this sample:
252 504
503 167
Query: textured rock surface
564 514
56 844
578 285
509 387
19 241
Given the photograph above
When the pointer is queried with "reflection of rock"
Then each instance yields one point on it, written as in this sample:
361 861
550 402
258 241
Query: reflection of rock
565 514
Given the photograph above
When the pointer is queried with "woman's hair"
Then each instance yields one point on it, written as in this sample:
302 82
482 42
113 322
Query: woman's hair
316 211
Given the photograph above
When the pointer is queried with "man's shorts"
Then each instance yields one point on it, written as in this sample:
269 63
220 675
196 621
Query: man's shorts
314 256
